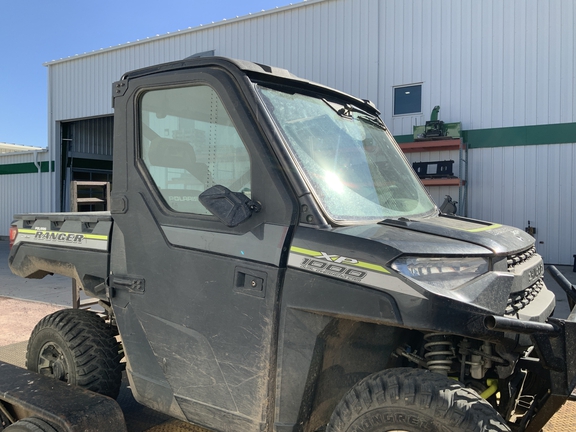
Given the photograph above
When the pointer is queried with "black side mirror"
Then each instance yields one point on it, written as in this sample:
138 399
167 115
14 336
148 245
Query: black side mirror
232 208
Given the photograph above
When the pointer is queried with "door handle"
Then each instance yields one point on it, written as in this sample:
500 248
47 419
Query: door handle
249 281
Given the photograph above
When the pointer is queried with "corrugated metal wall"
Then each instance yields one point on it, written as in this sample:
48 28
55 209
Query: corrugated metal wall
91 137
514 185
23 193
488 64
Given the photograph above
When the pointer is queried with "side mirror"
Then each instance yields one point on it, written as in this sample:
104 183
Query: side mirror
232 208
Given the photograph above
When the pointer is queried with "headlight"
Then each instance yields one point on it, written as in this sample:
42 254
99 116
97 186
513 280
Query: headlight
447 273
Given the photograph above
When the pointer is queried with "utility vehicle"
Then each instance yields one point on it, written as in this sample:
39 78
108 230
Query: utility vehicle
272 263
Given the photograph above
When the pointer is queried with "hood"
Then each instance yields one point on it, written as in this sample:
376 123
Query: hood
438 235
499 239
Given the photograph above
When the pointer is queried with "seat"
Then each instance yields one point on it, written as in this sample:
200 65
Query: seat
170 153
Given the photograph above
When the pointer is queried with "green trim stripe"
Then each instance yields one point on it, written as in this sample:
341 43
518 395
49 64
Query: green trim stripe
95 237
30 167
303 251
486 228
560 133
26 231
86 236
363 264
26 168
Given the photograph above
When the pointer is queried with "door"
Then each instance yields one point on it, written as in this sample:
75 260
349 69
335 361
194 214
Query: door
196 300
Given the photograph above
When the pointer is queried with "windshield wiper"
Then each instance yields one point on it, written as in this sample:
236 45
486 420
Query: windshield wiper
347 110
374 121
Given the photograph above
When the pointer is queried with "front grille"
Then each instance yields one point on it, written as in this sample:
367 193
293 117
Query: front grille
520 299
519 258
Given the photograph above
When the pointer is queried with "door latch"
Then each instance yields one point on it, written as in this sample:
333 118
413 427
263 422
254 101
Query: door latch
249 281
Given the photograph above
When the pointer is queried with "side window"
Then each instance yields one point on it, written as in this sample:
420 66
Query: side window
189 143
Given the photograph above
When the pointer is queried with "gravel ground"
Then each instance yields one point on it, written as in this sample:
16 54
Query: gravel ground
18 318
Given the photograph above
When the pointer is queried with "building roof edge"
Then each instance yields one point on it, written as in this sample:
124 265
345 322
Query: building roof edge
201 27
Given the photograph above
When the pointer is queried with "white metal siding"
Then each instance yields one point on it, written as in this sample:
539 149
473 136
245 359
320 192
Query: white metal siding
514 185
487 64
23 193
328 42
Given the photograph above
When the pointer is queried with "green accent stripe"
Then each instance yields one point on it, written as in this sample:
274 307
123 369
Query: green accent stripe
362 264
304 251
86 236
561 133
486 228
400 139
26 168
95 236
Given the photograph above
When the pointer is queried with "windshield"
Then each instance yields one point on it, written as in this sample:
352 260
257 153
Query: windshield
348 159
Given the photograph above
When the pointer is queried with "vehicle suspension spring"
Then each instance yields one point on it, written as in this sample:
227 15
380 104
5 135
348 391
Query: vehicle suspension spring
440 352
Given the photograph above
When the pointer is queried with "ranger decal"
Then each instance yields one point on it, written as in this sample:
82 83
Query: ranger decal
41 235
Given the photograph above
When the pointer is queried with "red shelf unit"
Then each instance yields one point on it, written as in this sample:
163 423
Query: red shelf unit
424 146
435 145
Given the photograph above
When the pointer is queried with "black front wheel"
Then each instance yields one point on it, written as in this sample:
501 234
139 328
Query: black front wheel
78 347
413 400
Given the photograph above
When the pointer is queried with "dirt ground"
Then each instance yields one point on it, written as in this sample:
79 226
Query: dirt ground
18 318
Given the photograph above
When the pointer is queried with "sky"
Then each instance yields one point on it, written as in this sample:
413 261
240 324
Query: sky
33 32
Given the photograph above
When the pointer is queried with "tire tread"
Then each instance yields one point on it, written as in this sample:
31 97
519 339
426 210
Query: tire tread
95 350
459 407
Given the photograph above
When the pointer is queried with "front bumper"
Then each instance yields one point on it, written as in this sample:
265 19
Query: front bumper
555 344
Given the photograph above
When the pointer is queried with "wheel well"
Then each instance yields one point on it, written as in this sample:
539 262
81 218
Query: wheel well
345 352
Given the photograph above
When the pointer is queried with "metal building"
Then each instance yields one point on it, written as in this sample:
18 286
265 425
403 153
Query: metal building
505 70
25 181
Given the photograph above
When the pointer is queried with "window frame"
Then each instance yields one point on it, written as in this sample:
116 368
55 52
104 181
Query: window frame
403 86
268 180
145 168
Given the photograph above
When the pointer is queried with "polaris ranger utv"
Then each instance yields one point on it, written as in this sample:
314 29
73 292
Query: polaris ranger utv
272 263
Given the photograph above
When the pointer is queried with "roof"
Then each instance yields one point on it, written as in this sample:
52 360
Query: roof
14 148
248 67
303 3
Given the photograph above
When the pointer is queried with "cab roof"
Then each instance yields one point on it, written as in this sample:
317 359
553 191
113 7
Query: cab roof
253 70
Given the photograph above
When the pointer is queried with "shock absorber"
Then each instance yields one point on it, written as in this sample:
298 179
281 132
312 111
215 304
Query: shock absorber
440 352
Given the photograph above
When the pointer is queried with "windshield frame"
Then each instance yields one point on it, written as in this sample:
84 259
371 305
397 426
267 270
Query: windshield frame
347 112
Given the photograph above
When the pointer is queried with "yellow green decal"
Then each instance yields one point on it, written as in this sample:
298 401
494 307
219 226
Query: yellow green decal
338 259
62 236
486 228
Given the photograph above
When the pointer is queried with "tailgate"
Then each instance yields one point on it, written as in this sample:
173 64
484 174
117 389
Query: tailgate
70 244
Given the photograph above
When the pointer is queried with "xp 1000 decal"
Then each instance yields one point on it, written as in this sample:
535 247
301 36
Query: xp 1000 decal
348 268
